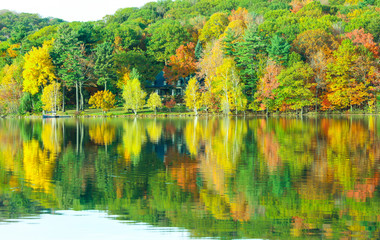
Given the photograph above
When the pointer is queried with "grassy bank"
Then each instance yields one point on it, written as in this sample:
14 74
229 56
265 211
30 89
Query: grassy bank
121 112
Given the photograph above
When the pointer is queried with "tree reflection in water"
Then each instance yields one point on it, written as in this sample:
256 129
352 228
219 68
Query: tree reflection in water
227 177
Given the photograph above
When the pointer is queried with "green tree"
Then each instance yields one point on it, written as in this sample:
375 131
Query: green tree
104 63
279 50
294 90
73 61
248 54
165 37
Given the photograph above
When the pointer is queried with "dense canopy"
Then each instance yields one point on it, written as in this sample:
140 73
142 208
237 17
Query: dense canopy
254 55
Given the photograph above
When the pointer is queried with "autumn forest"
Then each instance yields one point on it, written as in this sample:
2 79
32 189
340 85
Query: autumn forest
227 56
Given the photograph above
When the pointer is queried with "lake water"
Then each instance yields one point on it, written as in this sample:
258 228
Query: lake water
229 178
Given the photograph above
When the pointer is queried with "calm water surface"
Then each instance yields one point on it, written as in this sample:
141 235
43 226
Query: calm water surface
224 178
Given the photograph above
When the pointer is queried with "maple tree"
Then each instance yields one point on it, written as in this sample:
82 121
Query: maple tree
170 104
265 93
240 14
358 36
182 64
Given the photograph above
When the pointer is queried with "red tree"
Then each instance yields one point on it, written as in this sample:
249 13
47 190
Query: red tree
182 64
358 36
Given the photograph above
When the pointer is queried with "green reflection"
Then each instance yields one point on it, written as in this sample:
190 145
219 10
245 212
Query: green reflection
217 177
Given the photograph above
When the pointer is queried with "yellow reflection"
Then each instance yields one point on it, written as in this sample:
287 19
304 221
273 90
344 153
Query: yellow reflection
217 144
51 136
38 166
154 130
102 133
134 137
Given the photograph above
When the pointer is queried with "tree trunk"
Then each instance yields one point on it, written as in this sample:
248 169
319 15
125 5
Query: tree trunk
63 98
301 111
81 97
105 86
76 95
316 102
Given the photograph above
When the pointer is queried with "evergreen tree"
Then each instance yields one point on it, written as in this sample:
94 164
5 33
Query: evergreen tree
229 43
198 50
247 53
279 50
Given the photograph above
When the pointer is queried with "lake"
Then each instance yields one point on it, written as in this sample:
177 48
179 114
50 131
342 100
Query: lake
190 178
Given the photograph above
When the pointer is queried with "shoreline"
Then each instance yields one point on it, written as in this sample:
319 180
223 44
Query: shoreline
190 115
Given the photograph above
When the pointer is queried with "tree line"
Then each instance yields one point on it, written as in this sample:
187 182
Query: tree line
239 55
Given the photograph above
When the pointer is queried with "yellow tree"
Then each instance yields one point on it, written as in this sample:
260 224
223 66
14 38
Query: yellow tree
227 85
214 27
38 68
134 95
11 87
154 102
211 60
51 97
104 100
193 96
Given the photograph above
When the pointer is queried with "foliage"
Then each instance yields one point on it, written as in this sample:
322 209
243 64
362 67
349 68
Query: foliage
343 89
38 68
279 50
195 38
154 102
265 94
51 97
11 87
104 100
192 95
181 65
294 90
214 27
165 37
170 104
104 63
134 95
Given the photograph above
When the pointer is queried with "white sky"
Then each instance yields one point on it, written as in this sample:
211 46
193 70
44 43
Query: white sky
71 10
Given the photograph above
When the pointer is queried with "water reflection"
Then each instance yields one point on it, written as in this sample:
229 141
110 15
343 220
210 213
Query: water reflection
216 177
